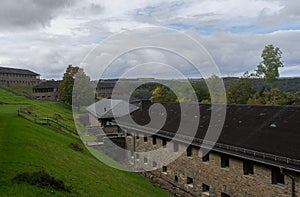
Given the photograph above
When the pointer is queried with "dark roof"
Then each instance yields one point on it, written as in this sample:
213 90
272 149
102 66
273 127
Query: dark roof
47 84
17 71
106 84
268 129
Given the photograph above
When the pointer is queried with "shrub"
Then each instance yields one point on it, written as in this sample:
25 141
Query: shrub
75 146
42 179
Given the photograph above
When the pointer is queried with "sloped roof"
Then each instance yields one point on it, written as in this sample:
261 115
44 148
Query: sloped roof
17 71
106 84
111 108
47 84
268 129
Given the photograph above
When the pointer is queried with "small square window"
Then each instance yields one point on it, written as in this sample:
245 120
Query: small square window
137 136
154 164
277 176
205 158
248 167
224 161
164 142
164 169
205 188
153 139
189 151
145 139
176 179
189 180
145 160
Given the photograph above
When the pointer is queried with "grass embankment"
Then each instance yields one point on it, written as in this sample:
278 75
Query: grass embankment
20 90
26 147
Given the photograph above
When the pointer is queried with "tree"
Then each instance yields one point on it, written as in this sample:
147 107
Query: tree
163 94
66 86
83 94
274 97
241 91
268 68
216 88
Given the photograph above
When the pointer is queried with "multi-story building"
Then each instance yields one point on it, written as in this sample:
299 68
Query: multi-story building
256 154
47 90
14 76
105 88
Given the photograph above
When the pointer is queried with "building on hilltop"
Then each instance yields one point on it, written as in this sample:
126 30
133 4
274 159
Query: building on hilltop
105 88
257 153
47 90
14 76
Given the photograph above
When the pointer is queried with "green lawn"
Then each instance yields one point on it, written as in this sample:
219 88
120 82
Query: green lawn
21 90
28 147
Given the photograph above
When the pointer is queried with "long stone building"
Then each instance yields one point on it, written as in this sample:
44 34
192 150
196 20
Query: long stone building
257 153
14 76
47 90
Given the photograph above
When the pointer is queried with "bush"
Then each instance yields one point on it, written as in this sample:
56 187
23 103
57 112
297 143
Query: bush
42 179
75 146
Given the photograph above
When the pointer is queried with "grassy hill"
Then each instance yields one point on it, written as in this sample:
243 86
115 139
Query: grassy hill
26 147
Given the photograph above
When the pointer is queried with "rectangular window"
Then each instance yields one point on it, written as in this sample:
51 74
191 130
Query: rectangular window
176 178
189 180
164 142
145 160
137 136
164 169
277 176
248 167
224 161
175 146
145 139
205 188
205 158
154 164
224 195
153 139
189 151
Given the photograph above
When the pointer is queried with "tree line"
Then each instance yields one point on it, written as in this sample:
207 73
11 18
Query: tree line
240 92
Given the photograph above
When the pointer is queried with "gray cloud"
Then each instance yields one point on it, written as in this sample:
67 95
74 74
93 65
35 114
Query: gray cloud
52 34
29 13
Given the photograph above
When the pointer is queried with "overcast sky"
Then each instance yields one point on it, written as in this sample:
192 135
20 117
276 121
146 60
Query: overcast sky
47 35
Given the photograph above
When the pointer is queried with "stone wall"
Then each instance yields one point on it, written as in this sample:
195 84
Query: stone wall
49 96
94 120
230 180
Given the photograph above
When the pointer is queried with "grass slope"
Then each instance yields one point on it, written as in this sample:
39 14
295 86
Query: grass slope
21 90
27 147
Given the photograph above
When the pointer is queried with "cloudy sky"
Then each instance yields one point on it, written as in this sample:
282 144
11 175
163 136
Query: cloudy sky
46 36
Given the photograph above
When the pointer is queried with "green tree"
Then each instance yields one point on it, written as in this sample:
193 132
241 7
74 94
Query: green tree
274 97
268 67
201 92
83 94
217 90
241 91
163 94
66 86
